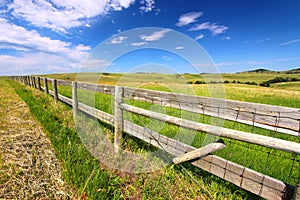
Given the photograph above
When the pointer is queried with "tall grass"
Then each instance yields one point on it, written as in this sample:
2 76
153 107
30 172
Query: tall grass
281 165
96 181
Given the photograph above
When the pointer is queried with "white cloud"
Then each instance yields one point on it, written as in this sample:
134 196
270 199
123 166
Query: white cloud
118 5
155 35
138 44
286 59
62 15
214 28
226 38
19 38
36 51
188 18
167 58
199 37
224 64
257 62
290 42
118 40
179 47
147 6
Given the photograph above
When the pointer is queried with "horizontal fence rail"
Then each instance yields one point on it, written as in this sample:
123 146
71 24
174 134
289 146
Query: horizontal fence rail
275 118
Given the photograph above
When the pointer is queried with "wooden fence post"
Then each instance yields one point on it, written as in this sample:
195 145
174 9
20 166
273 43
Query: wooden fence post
39 83
296 195
54 86
118 118
74 99
46 86
28 81
34 82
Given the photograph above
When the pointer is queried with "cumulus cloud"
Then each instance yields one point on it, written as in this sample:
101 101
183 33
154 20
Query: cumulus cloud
36 51
188 18
17 37
155 35
147 6
62 15
214 28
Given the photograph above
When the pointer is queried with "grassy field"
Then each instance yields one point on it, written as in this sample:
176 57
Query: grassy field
283 94
261 159
95 181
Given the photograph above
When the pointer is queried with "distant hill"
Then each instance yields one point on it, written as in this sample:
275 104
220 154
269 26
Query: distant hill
259 71
292 71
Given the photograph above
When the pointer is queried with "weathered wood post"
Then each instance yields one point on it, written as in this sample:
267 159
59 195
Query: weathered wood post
75 100
39 83
34 82
25 80
118 118
46 86
55 93
296 195
29 81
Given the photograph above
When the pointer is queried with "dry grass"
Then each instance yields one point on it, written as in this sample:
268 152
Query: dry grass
28 166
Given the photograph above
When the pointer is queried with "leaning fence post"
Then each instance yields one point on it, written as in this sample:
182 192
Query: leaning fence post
54 86
74 98
118 118
46 86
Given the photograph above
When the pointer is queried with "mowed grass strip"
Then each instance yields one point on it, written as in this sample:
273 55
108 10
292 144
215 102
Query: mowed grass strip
28 166
95 181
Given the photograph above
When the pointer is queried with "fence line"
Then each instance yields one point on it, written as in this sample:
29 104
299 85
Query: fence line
287 120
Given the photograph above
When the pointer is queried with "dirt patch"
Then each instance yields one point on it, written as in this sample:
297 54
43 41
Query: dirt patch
28 166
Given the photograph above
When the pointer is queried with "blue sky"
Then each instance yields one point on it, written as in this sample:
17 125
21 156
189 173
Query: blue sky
54 36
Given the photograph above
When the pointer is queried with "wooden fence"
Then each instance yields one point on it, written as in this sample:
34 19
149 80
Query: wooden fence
281 119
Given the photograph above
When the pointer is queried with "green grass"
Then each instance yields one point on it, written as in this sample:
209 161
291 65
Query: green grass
252 156
283 94
96 181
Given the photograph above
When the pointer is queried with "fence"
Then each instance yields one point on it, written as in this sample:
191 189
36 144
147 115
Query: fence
273 131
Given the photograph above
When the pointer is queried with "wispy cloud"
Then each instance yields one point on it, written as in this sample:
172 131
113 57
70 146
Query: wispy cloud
214 28
224 64
167 58
199 37
118 40
257 62
188 18
138 44
286 59
155 35
257 41
290 42
179 47
62 15
226 38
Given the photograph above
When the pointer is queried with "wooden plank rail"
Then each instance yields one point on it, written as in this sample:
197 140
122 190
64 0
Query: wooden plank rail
276 118
201 152
219 131
255 182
